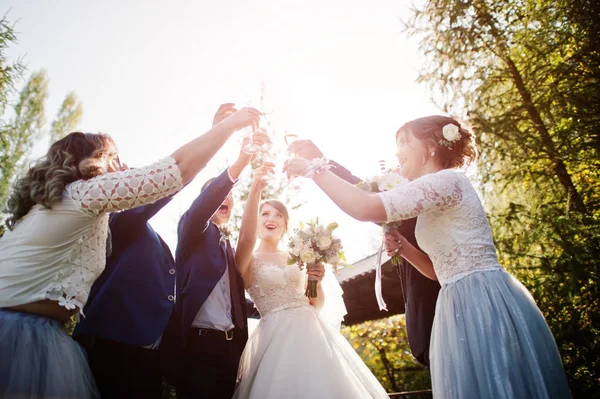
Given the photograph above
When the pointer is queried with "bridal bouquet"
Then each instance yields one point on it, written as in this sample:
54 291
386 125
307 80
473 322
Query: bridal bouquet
388 180
313 243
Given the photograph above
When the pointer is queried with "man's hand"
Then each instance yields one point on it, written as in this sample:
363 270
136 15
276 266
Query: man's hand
305 149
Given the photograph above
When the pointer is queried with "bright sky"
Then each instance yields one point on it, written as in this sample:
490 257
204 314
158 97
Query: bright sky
153 73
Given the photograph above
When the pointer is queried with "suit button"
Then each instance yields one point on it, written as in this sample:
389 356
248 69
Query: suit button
170 297
171 271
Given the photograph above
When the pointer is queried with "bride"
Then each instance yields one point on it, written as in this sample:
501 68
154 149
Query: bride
294 352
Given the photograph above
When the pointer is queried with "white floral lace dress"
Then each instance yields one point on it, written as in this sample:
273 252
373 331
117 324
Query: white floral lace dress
294 353
58 253
489 339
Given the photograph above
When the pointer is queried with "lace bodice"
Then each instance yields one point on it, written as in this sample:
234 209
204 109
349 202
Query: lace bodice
276 287
452 227
58 253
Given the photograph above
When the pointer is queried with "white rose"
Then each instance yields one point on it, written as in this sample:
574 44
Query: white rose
298 247
451 132
333 259
390 181
295 251
308 256
324 243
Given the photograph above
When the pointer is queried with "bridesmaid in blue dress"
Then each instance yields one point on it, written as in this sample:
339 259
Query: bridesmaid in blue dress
489 339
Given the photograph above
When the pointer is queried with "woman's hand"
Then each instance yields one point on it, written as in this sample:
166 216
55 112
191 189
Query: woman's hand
224 111
260 137
295 167
305 149
316 272
260 177
395 243
242 118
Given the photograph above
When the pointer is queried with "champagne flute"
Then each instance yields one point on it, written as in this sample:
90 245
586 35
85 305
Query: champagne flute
250 148
289 139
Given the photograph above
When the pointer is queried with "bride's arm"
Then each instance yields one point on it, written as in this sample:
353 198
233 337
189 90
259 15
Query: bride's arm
249 227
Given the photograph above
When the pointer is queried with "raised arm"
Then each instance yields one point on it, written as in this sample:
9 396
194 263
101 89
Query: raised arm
435 191
307 149
357 203
193 156
126 189
249 227
126 224
195 219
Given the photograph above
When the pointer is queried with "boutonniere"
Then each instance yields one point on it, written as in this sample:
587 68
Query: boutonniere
225 233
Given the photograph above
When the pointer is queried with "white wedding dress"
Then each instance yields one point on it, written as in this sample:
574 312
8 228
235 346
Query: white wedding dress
294 352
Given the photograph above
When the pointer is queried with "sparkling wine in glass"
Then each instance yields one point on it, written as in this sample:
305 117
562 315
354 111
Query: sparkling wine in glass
289 139
251 147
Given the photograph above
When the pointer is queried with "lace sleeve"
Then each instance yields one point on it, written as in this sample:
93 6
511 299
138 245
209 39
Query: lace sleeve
436 191
127 189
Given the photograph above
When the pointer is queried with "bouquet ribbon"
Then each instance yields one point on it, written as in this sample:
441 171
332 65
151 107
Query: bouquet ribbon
378 288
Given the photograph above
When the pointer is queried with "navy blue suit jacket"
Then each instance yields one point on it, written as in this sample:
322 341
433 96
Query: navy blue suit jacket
420 293
200 262
132 300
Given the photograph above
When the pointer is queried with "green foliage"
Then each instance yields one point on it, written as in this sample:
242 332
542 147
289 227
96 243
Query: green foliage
21 130
67 119
526 75
22 113
383 346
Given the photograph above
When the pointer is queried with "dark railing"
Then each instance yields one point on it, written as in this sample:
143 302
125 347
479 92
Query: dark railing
425 394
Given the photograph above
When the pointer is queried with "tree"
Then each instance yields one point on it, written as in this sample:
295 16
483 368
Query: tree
67 119
383 346
526 75
22 114
20 131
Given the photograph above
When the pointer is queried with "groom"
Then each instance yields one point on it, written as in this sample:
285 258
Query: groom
130 304
209 328
420 293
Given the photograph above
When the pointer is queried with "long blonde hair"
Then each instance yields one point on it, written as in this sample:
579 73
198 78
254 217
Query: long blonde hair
75 157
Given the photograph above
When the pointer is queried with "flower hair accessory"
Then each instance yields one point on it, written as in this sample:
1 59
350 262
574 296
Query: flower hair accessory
316 167
451 134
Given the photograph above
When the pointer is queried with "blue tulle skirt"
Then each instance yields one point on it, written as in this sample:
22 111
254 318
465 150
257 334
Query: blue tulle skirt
38 359
490 340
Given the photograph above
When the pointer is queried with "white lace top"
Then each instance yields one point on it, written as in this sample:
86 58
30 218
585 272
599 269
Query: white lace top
452 227
58 253
277 287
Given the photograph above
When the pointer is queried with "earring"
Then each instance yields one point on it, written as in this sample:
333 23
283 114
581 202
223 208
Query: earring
432 153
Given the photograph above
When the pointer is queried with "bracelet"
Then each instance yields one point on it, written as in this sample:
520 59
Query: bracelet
316 167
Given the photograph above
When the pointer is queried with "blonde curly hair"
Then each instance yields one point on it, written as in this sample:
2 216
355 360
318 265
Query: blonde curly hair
78 156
